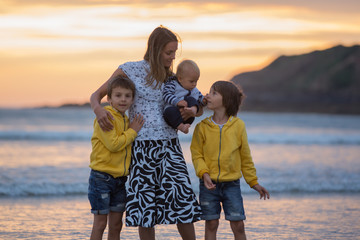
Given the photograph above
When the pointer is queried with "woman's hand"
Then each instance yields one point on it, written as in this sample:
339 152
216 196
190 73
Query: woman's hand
188 112
102 117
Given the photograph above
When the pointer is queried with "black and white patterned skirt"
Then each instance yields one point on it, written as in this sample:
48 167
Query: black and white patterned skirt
159 189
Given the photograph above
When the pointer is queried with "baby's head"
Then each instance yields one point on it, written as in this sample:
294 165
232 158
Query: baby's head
188 74
232 96
121 93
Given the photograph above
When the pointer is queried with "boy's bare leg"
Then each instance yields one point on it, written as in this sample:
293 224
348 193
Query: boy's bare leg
238 229
211 227
146 233
115 225
183 127
186 230
99 225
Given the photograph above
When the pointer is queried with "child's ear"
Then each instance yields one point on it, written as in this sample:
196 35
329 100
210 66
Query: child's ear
108 99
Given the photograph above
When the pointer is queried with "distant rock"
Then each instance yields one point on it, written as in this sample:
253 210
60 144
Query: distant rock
72 105
85 105
325 81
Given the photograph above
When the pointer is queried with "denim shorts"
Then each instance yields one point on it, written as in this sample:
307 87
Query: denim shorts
106 193
226 193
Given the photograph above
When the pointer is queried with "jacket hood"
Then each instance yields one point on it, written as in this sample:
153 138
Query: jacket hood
229 122
113 111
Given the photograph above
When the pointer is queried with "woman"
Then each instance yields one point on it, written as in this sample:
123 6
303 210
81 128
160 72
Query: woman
159 185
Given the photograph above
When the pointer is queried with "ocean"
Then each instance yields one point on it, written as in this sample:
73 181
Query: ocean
310 163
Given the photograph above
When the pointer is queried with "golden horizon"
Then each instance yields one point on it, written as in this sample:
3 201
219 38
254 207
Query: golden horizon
54 54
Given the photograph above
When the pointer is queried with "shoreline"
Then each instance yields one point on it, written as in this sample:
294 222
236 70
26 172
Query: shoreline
247 194
245 108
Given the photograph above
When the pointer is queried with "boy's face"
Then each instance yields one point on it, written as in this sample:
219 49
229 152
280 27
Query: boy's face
121 99
189 79
214 100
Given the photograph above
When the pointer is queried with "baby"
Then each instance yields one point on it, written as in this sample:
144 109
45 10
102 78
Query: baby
180 91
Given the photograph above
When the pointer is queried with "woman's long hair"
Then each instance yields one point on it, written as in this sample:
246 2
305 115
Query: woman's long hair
156 43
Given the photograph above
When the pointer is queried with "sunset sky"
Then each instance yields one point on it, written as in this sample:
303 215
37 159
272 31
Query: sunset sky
55 52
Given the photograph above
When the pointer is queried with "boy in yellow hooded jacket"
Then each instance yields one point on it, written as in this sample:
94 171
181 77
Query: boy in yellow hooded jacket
110 160
221 156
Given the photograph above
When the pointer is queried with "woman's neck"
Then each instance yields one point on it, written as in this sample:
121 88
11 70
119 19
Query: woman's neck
220 117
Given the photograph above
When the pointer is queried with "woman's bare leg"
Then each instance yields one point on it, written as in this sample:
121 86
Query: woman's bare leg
187 231
146 233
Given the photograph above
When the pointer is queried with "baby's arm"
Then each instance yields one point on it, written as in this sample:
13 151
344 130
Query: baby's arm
169 93
262 191
202 99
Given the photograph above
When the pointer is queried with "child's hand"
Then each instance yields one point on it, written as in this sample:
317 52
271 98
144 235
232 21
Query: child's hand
206 97
137 122
262 191
207 182
204 101
182 103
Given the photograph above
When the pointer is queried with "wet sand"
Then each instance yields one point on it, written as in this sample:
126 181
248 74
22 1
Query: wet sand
284 216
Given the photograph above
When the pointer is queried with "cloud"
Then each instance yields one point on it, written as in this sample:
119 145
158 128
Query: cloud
320 5
320 35
92 27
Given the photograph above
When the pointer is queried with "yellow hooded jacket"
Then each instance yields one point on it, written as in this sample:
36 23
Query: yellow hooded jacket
111 150
222 153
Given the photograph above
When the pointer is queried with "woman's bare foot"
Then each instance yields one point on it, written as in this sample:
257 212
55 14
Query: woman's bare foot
183 127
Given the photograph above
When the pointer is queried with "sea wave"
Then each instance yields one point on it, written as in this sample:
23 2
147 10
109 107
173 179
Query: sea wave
52 189
57 181
43 181
300 139
46 135
321 139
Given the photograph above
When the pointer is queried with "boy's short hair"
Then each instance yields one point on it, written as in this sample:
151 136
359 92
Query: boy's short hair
120 81
232 96
180 70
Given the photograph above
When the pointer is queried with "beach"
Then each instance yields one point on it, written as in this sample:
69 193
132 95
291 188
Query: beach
284 216
308 162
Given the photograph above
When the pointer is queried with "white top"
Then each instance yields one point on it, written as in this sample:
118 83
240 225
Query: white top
220 125
148 102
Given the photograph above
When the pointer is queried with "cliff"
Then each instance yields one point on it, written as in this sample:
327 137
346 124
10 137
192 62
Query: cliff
325 81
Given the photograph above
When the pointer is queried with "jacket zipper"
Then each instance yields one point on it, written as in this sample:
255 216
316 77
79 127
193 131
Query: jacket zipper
125 149
219 155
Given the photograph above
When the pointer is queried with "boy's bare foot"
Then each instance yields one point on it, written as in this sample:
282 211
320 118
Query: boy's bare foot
184 127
